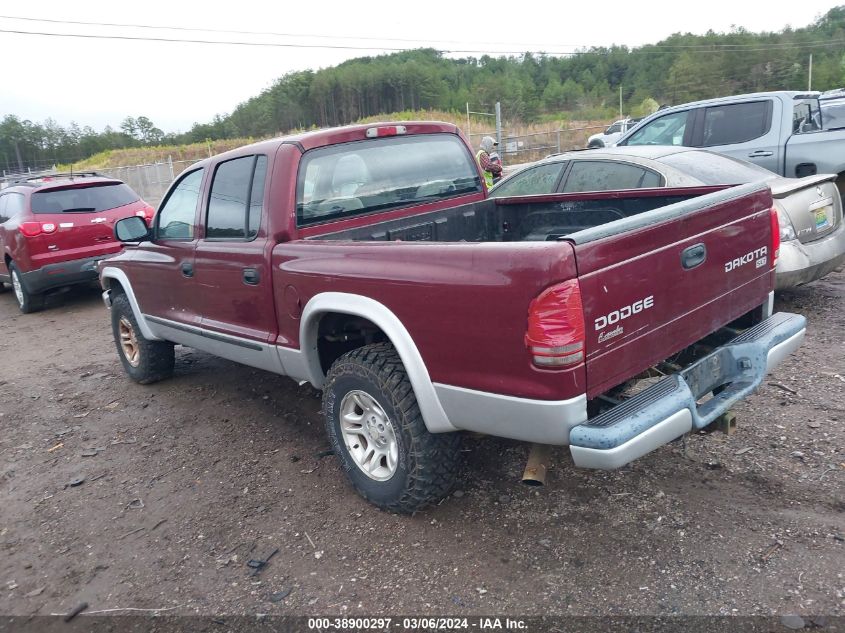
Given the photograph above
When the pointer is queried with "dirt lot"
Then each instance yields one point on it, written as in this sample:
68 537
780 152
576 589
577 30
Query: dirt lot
183 482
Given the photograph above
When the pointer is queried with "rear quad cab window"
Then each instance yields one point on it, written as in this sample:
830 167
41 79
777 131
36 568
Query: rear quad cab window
382 174
235 201
736 123
177 214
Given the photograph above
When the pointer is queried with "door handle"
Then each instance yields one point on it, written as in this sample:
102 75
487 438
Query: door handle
251 276
187 269
693 256
760 153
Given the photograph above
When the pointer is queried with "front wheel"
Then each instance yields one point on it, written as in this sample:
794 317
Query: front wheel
144 360
27 301
376 429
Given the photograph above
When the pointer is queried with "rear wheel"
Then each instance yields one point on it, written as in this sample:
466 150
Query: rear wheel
377 431
27 301
144 360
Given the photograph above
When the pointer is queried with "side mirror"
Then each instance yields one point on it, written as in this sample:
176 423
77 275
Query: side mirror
132 229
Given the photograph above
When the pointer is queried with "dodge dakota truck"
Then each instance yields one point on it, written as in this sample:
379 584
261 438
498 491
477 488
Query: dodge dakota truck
368 261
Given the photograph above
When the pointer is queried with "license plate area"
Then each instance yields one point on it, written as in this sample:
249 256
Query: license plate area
822 214
712 371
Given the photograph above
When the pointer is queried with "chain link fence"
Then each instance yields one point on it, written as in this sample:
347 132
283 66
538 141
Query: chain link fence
525 148
149 181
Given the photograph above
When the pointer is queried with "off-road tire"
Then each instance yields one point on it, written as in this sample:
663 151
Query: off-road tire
28 301
428 463
155 358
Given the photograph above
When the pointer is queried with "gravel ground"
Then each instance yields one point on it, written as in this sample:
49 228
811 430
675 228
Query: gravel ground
122 495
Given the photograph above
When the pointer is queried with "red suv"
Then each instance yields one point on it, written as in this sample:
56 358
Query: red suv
54 229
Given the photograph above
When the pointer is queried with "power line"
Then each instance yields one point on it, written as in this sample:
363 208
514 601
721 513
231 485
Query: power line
385 48
358 37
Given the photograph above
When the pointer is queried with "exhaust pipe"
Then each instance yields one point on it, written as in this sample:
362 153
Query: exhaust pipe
538 464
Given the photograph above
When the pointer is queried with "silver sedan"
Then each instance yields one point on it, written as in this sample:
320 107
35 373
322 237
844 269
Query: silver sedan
809 209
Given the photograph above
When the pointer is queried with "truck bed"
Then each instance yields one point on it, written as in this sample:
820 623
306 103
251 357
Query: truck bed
522 219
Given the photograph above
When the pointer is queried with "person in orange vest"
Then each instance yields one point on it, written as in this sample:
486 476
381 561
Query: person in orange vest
491 169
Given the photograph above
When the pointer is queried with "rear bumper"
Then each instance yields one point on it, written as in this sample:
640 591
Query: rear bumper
802 263
670 408
75 271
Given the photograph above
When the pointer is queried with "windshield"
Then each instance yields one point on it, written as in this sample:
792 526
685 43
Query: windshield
716 169
382 174
91 199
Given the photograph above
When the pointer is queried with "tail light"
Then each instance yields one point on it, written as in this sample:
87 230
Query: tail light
555 335
147 213
32 229
773 217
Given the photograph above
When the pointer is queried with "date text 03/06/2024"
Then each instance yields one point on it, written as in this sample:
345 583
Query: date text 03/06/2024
417 623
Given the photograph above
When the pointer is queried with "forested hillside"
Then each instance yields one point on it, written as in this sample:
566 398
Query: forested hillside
530 87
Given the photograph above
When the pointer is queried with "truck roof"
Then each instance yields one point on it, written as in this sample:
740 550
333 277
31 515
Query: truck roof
788 94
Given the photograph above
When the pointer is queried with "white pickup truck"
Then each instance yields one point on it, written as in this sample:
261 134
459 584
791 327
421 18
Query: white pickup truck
612 134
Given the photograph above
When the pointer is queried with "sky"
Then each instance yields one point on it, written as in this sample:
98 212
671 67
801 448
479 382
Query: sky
99 82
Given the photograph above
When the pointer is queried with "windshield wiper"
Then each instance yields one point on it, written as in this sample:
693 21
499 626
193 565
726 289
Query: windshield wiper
79 210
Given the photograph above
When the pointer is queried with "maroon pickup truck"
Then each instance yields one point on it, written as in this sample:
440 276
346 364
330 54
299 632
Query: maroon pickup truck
368 261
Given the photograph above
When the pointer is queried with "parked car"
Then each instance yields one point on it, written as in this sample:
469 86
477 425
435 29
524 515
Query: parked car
368 261
55 228
612 134
780 131
809 209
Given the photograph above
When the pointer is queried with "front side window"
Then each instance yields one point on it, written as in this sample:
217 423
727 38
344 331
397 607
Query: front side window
735 123
177 214
613 129
667 130
382 174
607 175
531 181
236 197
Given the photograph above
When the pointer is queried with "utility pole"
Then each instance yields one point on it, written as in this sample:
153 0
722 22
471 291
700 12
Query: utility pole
468 130
499 126
620 101
810 78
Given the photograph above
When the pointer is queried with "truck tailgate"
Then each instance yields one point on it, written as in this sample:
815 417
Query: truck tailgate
655 283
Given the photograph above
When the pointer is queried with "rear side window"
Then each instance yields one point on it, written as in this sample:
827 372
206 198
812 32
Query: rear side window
608 175
176 216
736 123
92 199
235 201
382 174
532 181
